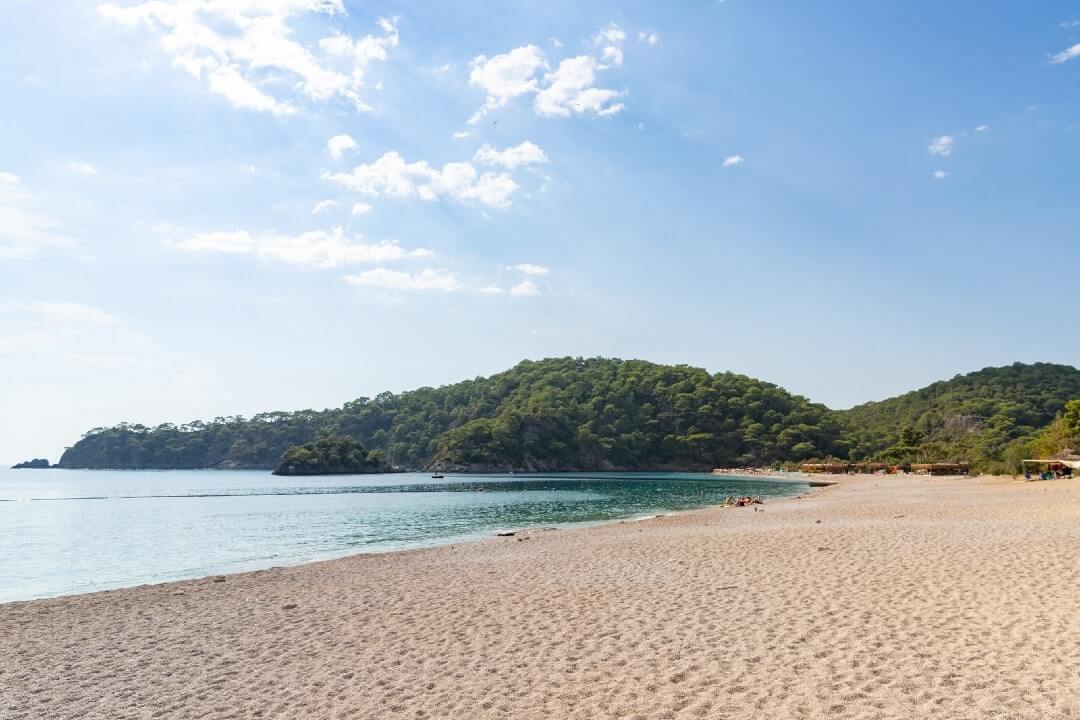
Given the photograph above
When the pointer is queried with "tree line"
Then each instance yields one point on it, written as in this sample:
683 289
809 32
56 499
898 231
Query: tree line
609 414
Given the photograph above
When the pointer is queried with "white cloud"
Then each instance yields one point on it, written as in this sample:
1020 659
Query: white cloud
392 175
570 90
732 160
238 90
526 153
1066 55
241 47
339 145
425 280
236 242
526 288
982 128
612 35
530 269
504 77
567 90
323 205
940 174
319 248
81 168
489 290
942 145
361 208
650 37
25 230
462 134
555 41
443 69
249 169
613 55
363 51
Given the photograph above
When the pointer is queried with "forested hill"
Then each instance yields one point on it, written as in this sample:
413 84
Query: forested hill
975 417
555 414
596 414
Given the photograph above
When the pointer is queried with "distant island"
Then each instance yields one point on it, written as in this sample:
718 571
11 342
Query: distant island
330 456
35 464
602 414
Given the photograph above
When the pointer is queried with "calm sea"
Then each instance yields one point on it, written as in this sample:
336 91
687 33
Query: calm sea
73 531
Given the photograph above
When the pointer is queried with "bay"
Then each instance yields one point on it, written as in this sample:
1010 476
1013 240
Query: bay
74 531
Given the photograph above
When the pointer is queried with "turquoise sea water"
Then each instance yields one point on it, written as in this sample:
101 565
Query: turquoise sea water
72 531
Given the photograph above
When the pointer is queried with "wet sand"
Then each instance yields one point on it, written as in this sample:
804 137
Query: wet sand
876 598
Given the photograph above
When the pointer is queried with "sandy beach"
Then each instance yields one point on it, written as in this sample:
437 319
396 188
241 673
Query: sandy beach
881 597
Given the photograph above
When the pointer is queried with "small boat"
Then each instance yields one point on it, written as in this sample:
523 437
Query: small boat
437 475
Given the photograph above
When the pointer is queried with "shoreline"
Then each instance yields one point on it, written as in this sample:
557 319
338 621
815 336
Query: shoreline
465 539
882 597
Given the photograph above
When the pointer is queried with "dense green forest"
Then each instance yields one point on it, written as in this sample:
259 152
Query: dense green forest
330 456
606 414
556 414
987 417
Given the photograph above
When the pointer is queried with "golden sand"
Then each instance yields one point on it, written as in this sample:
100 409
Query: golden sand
878 598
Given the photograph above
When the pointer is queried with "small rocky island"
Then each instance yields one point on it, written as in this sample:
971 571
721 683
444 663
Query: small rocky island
35 464
331 456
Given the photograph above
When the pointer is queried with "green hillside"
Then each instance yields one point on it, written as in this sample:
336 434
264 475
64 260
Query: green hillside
974 417
555 414
598 413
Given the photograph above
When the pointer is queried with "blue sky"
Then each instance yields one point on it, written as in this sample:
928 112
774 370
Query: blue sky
222 207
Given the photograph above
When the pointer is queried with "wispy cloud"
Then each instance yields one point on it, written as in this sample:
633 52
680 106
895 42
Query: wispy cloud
69 313
610 35
69 334
732 160
394 280
25 229
318 248
323 205
1066 55
526 288
242 48
81 168
940 174
942 145
530 269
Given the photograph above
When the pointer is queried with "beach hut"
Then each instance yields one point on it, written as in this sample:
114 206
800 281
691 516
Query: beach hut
941 468
1064 465
830 468
870 467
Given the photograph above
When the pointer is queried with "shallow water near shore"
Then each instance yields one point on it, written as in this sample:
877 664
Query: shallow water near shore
74 531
